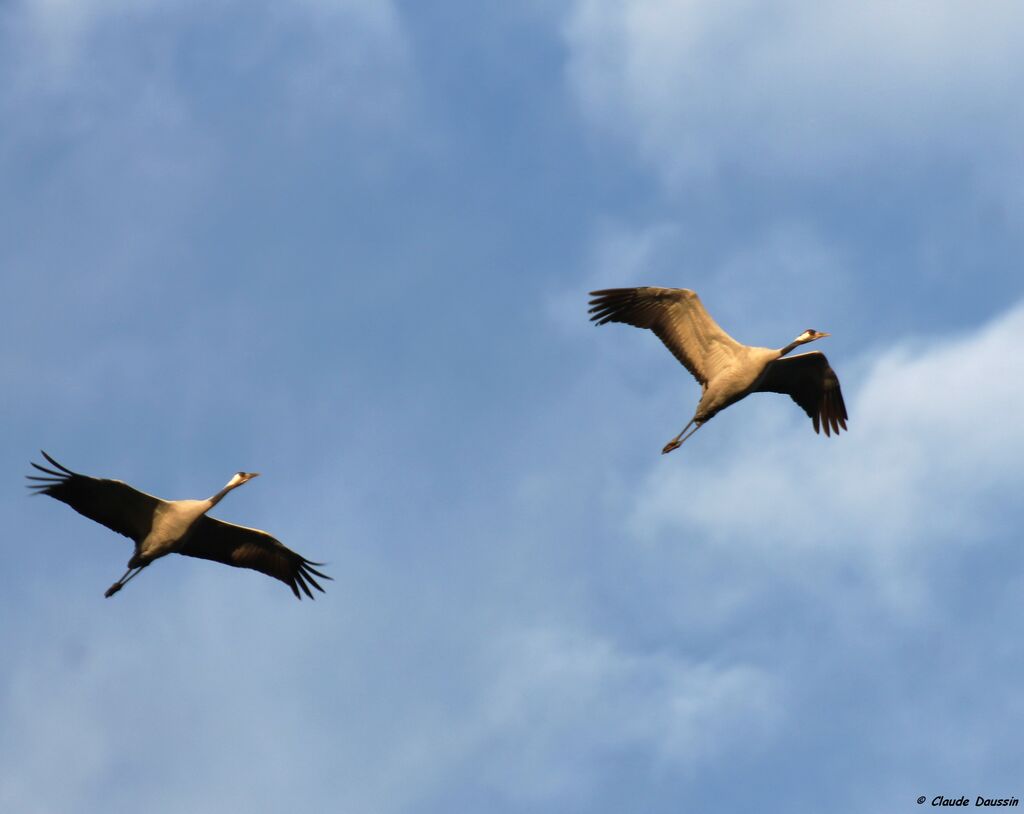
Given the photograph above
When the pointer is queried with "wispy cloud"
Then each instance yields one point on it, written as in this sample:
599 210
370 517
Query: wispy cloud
702 87
65 40
105 76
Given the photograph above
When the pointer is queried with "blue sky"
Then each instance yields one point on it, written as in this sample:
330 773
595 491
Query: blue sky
348 244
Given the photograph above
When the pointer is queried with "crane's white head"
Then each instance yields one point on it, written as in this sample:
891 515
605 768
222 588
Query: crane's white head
241 477
809 336
236 480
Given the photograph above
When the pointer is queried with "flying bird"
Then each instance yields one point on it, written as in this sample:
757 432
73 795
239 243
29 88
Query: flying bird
159 527
726 369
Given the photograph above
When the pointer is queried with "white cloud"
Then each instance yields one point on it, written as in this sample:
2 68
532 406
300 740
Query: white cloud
559 702
530 714
698 87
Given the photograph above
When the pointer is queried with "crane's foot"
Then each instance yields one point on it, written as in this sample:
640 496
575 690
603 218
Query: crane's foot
675 443
113 589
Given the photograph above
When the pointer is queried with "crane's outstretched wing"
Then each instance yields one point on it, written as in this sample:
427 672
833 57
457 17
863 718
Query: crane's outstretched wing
243 547
809 380
113 503
679 319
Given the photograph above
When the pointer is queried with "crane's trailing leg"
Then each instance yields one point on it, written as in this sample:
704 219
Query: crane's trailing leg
677 442
117 586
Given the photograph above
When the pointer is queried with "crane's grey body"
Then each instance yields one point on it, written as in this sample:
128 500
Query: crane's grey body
173 520
738 372
161 527
727 370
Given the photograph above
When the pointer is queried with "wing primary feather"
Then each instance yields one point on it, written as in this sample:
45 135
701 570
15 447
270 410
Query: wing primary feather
48 471
306 566
311 581
56 464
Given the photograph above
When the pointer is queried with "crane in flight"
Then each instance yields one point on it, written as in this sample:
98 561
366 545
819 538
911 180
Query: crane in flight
159 527
726 369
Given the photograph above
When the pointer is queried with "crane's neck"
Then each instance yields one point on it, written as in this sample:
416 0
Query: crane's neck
237 480
803 339
233 484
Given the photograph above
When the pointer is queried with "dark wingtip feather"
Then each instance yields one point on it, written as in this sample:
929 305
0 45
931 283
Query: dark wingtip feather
50 480
832 412
308 571
312 581
302 578
607 303
320 574
55 463
837 411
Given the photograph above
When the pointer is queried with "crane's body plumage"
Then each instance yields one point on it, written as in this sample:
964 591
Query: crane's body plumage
160 527
726 370
173 521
